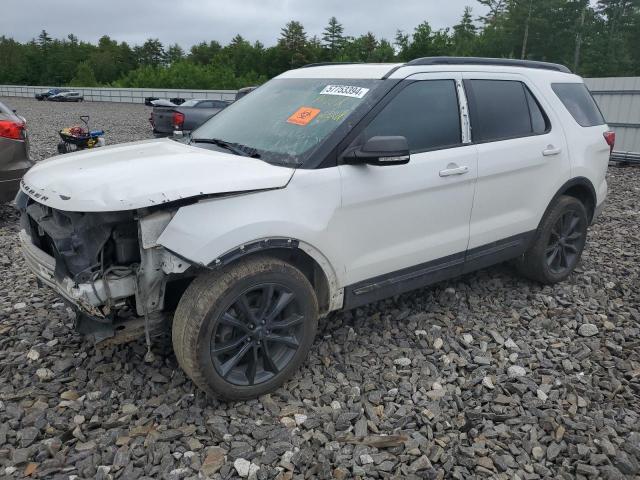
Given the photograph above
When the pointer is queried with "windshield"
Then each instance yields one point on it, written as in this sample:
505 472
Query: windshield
189 103
286 119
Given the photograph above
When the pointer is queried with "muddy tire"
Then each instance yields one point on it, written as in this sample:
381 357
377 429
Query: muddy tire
558 243
243 331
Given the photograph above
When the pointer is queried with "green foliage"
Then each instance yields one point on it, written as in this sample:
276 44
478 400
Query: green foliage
84 76
333 37
465 35
594 38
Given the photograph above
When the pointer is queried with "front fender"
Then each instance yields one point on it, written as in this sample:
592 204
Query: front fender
210 229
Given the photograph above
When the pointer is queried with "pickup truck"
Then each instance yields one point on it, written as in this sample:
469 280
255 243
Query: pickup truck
166 119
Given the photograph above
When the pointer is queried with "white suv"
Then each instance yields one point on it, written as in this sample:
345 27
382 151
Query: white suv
327 188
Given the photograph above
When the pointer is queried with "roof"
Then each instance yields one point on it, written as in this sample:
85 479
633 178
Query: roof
342 70
502 62
400 70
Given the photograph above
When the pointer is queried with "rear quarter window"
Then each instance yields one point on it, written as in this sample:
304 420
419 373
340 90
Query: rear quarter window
581 105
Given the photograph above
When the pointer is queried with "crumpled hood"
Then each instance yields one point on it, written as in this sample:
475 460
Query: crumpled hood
143 174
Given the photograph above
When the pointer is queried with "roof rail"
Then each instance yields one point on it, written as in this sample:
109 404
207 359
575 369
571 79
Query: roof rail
504 62
322 64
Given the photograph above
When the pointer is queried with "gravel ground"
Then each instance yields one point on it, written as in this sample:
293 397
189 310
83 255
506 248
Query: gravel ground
485 376
122 122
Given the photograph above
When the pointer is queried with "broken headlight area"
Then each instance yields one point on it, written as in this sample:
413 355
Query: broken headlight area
86 246
107 265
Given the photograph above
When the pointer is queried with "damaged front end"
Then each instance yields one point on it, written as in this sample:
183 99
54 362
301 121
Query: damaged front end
107 266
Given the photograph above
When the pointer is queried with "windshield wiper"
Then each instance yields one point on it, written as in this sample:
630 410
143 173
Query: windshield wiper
236 148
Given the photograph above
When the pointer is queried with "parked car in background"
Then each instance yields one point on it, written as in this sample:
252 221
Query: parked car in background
14 152
166 119
67 96
244 91
269 215
50 93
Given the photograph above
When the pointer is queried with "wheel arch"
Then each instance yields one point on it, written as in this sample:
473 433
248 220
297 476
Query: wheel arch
308 259
580 188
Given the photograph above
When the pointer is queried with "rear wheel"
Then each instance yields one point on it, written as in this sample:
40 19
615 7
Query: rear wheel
558 243
244 331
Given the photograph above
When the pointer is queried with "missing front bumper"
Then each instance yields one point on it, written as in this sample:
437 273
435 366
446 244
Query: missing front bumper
120 330
90 297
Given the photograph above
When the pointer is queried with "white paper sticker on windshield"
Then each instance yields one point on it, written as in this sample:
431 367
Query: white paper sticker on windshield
344 91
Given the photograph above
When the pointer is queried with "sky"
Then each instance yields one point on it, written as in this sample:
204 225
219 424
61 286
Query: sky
188 22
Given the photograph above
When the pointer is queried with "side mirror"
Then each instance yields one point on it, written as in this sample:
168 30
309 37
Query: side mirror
380 151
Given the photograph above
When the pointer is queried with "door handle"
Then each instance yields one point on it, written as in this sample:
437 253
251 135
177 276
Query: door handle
454 170
551 150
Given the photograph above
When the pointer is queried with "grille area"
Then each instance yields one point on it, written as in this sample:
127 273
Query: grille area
85 245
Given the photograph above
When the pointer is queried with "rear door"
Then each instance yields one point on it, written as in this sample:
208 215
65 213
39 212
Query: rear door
407 225
522 162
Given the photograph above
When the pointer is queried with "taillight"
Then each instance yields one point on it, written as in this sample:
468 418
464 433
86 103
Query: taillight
178 120
13 130
610 138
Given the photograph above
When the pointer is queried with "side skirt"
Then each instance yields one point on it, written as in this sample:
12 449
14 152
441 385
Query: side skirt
407 279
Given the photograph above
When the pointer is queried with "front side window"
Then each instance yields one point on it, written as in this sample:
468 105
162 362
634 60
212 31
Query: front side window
425 112
581 105
503 109
286 119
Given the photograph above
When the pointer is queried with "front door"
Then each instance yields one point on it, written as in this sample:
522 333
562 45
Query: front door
403 223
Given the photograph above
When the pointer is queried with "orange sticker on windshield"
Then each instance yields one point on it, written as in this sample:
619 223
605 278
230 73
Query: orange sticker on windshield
303 115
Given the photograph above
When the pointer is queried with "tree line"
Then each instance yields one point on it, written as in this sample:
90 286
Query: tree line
601 39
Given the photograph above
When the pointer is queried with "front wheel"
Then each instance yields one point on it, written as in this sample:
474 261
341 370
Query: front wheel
243 331
558 242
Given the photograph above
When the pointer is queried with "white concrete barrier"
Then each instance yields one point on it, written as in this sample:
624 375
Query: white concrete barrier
127 95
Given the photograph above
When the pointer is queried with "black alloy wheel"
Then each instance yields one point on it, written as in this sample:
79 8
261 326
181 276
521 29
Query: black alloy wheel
244 330
565 242
258 335
558 242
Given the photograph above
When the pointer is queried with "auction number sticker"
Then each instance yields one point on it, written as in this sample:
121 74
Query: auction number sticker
345 91
303 115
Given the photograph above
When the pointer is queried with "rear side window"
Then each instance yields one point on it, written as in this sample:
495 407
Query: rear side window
503 109
539 121
577 99
425 112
